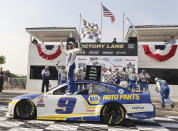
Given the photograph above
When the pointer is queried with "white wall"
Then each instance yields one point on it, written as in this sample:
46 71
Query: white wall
145 61
35 59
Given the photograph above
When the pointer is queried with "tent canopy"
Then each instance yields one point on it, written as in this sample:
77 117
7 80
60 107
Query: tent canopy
53 34
153 33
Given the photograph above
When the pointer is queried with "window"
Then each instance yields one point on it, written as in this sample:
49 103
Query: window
60 91
90 88
102 89
170 75
83 88
35 72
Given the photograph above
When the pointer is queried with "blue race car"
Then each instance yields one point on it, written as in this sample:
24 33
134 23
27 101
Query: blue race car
95 101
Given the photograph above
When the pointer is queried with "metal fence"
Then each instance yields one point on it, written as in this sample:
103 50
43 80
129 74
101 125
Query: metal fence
15 83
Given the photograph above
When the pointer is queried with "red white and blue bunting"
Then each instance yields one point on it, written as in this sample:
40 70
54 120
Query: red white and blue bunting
49 52
160 52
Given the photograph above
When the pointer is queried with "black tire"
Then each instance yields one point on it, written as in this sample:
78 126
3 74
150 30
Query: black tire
113 114
25 109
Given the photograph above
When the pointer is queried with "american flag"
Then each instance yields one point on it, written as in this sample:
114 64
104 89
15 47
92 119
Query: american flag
108 13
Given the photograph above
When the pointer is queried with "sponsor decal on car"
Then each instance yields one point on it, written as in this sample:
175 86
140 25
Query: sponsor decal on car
40 103
121 97
94 99
121 91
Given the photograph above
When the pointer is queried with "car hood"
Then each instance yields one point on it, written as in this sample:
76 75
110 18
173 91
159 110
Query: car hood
27 96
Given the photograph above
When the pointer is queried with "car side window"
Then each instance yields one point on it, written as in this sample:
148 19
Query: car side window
82 88
96 89
60 91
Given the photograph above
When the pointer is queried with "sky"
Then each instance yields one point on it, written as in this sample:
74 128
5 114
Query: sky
16 15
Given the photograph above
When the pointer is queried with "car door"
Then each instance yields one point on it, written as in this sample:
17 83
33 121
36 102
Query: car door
59 106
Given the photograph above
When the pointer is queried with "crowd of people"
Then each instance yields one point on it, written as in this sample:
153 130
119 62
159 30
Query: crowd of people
128 79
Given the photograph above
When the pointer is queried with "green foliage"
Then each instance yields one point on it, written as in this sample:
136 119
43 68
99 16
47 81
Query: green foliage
2 59
9 74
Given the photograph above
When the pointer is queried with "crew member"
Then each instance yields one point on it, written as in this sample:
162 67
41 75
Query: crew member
79 76
45 75
163 88
132 79
59 72
172 40
62 74
114 40
70 63
109 77
117 76
123 74
1 79
144 78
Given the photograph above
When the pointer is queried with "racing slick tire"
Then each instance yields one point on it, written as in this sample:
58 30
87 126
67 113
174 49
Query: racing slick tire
25 109
113 113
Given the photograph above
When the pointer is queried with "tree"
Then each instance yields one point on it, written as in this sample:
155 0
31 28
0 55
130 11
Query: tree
10 74
2 59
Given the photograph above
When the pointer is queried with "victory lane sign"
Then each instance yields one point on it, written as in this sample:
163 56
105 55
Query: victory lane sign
109 49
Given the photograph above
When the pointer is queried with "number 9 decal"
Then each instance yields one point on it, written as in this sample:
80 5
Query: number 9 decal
66 105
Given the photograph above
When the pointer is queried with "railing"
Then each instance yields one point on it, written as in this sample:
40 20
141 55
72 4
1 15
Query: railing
15 83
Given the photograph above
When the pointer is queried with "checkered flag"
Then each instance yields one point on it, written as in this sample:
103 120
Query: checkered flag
90 31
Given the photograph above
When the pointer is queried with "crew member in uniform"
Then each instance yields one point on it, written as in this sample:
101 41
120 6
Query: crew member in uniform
70 63
123 75
144 78
79 76
45 75
62 74
132 79
109 77
116 76
1 79
163 88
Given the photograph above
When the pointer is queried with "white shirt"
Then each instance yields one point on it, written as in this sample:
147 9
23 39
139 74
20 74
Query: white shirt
45 73
70 55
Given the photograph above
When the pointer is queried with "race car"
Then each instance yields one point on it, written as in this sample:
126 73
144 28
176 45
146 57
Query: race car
94 101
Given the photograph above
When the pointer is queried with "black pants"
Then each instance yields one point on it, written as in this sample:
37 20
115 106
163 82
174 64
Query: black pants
45 83
1 88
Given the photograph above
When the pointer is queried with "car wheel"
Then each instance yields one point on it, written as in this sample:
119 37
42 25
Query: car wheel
25 109
113 114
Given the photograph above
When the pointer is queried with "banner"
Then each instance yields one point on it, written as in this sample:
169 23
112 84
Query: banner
48 52
109 49
108 56
93 73
160 52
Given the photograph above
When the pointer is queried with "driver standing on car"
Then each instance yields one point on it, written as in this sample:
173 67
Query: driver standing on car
70 63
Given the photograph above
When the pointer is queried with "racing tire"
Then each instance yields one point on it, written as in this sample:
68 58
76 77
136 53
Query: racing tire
25 109
113 114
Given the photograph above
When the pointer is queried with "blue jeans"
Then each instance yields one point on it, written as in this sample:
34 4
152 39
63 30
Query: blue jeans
165 95
59 79
143 85
132 85
71 84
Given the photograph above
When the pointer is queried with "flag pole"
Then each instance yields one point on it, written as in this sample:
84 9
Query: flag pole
123 25
101 22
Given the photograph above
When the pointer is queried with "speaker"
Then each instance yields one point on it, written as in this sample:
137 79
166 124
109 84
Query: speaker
132 40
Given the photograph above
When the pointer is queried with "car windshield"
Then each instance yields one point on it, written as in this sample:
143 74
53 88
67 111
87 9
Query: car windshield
56 86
